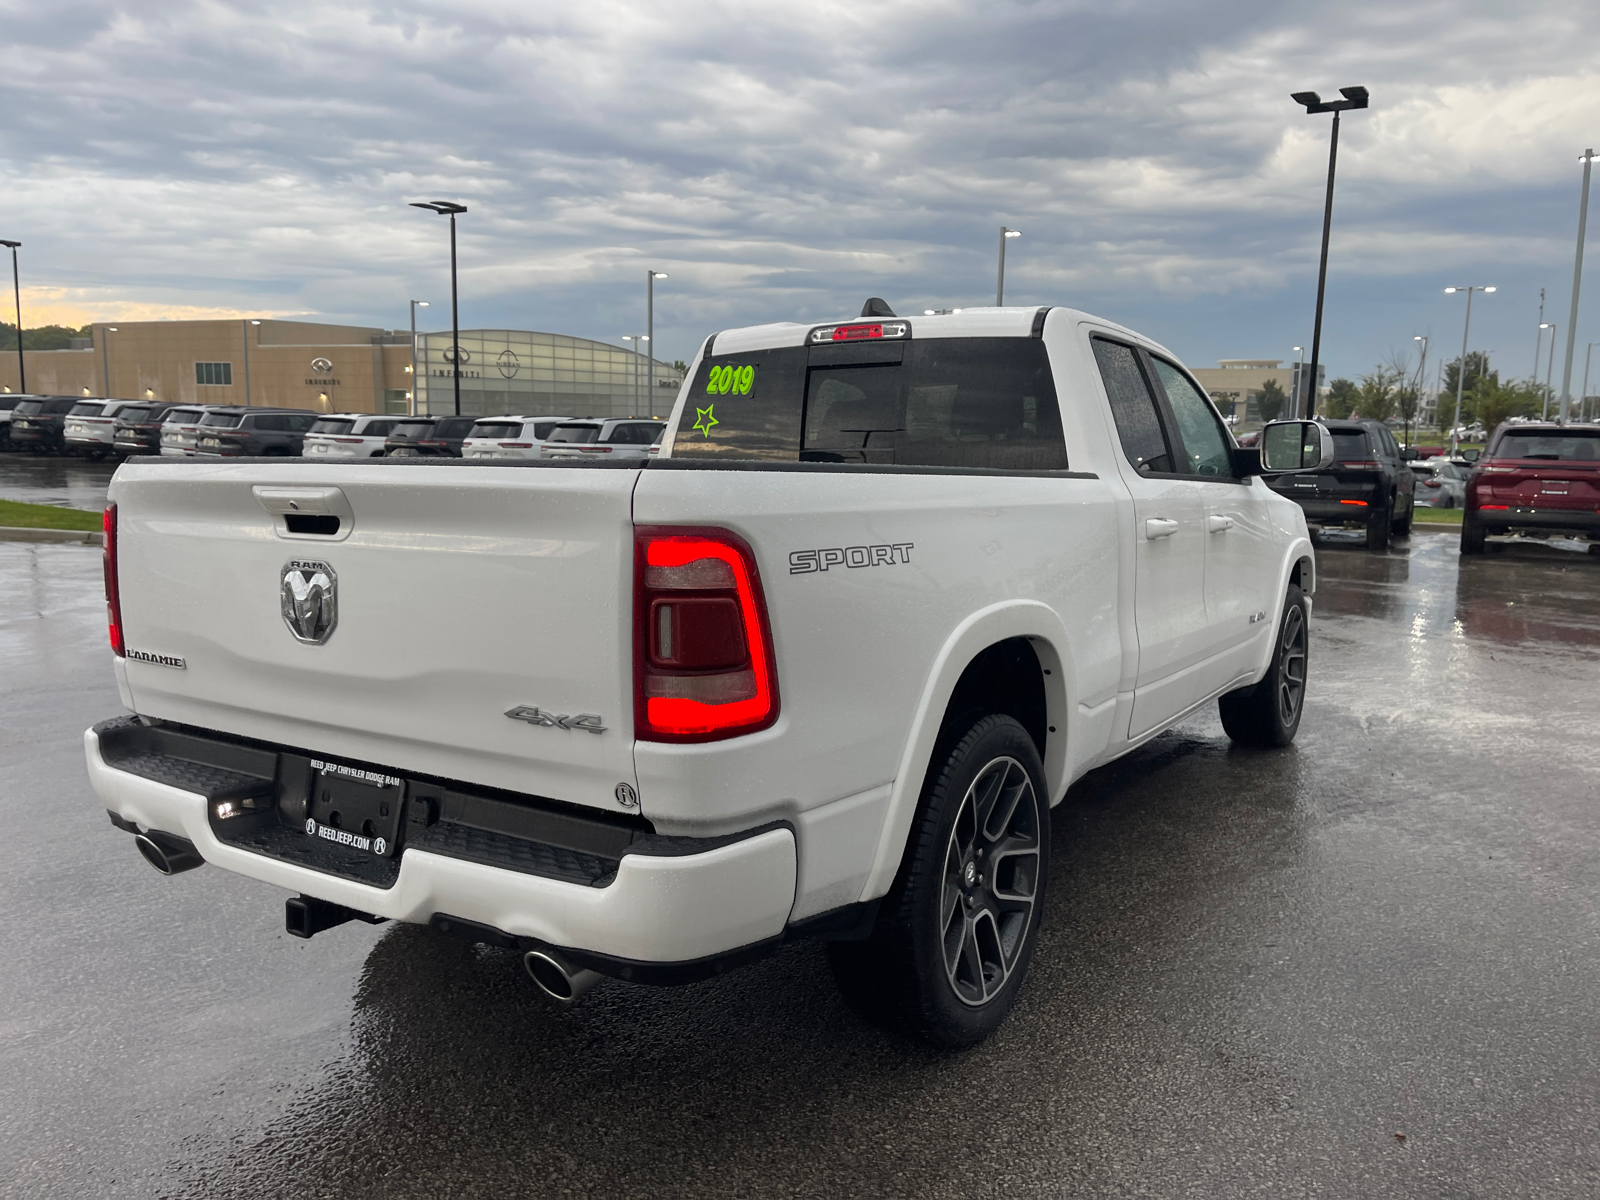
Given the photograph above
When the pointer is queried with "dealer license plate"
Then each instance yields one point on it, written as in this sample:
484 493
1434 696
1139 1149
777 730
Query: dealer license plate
354 807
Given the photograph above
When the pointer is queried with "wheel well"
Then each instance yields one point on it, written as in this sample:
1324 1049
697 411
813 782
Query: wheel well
1004 678
1300 572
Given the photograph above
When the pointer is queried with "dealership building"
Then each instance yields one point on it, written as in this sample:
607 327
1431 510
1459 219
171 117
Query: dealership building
346 368
1235 385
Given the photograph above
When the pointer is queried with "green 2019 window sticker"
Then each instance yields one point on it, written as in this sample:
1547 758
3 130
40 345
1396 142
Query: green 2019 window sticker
731 381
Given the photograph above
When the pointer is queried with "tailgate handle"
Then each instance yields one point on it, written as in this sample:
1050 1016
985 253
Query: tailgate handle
284 500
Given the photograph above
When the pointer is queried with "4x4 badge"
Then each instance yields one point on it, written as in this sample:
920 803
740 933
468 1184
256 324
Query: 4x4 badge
588 722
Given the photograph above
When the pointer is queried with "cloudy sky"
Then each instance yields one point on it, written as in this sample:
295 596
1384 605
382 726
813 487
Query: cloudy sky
784 161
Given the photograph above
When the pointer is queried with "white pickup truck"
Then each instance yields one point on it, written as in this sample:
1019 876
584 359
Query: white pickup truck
820 669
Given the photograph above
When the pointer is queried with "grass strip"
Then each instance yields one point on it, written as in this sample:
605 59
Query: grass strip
1438 516
46 516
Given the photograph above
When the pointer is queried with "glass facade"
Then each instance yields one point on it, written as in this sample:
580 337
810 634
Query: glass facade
517 372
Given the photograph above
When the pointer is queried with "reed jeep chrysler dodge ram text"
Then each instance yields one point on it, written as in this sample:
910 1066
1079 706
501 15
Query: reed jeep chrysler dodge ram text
819 669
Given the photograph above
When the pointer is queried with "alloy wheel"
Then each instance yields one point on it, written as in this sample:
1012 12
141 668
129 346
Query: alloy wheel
1292 668
991 881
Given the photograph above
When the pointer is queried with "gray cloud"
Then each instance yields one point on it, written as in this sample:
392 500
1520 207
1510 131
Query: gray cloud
785 161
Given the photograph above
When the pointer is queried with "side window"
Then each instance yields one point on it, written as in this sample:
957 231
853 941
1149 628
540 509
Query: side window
300 424
1205 445
271 424
1133 408
379 429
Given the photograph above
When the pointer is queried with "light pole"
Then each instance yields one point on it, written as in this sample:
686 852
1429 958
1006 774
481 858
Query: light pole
244 332
1538 341
650 278
1354 97
105 360
1544 413
1577 278
1000 286
1422 373
1583 400
415 304
449 208
636 339
16 288
1461 373
1299 377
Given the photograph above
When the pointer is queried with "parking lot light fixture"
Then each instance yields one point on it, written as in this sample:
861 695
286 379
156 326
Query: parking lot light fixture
1354 97
1461 372
1587 159
1299 378
16 289
650 332
1000 286
1583 392
411 395
1549 362
449 208
1422 374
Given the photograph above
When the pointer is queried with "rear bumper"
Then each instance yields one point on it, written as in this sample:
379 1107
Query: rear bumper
1551 520
1332 512
662 907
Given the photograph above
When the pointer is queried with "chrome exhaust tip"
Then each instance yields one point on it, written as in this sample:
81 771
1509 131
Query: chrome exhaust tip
168 854
565 985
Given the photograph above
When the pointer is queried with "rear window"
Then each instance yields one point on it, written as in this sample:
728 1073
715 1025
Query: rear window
134 414
220 420
87 410
181 416
377 428
25 407
575 433
411 429
7 403
1565 446
1350 447
634 433
541 429
326 426
456 427
963 402
60 406
506 430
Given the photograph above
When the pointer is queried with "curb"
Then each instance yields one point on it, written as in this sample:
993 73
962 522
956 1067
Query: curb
79 537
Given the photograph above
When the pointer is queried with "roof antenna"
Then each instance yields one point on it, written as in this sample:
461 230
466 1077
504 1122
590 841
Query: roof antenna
875 307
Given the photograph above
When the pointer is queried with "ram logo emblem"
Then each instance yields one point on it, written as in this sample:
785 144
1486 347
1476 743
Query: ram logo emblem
309 595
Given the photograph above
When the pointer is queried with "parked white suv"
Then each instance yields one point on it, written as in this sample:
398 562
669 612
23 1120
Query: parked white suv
181 430
509 437
618 438
822 667
90 427
349 435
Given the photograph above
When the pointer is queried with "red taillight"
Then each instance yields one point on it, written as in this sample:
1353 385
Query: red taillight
703 664
357 441
108 522
517 445
1496 507
1431 483
1362 465
432 442
854 333
859 333
1361 503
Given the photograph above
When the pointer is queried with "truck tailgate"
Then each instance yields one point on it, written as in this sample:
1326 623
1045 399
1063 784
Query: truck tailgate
463 593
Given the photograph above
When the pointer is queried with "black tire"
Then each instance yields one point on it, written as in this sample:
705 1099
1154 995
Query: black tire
956 932
1471 535
1378 530
1268 713
1403 528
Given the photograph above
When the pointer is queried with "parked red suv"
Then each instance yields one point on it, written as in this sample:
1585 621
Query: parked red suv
1535 477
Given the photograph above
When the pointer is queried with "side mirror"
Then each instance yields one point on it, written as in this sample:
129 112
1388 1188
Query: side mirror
1472 456
1295 446
1408 455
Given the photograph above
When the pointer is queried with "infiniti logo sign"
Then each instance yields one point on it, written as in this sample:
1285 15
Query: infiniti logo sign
309 595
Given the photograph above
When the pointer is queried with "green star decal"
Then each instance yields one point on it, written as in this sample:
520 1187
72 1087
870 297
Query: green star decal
705 419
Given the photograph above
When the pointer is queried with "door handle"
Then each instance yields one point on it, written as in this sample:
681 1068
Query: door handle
1159 527
1218 524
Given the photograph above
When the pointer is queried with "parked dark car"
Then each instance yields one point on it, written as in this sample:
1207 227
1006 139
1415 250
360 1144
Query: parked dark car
256 432
37 424
1370 484
138 428
443 438
407 432
1535 477
7 405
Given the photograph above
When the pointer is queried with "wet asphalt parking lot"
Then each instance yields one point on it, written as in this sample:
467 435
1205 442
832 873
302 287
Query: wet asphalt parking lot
1363 966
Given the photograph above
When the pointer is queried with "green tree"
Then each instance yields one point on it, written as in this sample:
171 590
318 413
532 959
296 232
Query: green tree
1341 402
1269 403
41 337
1477 368
1378 394
680 366
1490 402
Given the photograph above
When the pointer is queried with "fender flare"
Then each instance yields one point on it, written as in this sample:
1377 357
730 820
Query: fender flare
1011 619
